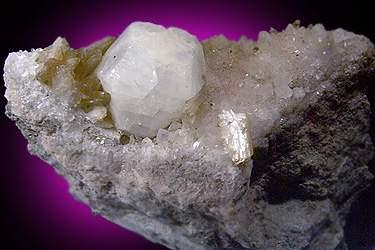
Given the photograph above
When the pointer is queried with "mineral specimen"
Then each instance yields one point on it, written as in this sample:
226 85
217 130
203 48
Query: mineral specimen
300 94
151 74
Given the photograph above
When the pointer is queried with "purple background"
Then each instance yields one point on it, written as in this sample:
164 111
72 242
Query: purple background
36 208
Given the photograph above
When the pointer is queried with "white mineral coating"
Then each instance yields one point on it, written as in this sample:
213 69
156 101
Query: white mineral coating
302 92
235 133
151 72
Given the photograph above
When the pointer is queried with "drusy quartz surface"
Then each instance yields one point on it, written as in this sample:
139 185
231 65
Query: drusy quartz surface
298 95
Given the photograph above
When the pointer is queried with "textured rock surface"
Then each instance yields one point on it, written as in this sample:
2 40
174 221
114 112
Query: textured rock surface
304 93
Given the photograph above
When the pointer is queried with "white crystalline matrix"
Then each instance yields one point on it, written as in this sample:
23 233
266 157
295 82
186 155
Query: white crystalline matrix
151 72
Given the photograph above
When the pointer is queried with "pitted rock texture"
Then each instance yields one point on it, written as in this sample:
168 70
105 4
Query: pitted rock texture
303 91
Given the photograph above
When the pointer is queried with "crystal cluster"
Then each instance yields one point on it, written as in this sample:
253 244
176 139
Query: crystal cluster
189 176
279 74
70 73
151 74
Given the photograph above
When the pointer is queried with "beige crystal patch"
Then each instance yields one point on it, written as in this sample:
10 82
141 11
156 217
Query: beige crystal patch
235 132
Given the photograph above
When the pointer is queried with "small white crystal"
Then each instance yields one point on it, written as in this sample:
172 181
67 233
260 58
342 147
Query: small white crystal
98 113
196 144
235 132
283 91
162 137
151 72
299 92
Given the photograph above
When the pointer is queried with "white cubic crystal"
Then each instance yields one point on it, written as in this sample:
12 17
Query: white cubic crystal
151 72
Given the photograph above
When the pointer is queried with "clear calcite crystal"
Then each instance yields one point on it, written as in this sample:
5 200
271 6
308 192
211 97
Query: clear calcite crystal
299 93
151 72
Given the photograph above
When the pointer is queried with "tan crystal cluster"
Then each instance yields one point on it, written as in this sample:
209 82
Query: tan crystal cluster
70 73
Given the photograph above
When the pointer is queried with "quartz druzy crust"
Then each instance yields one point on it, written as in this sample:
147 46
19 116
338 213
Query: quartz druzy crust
151 72
201 182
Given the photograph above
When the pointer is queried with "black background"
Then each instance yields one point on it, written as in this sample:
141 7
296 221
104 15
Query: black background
23 23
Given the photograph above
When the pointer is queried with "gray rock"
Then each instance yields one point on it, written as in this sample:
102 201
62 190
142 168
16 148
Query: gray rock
311 146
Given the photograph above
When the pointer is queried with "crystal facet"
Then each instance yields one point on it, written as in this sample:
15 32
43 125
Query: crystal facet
150 73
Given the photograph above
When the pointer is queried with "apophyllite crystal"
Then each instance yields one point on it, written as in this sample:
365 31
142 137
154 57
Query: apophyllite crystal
151 72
